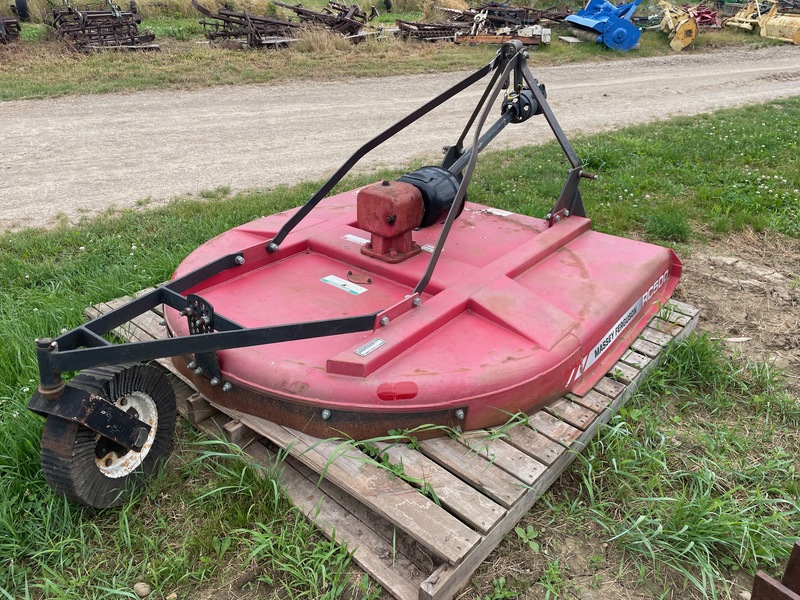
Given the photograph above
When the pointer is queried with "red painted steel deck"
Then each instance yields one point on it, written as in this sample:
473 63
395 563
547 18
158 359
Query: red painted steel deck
516 313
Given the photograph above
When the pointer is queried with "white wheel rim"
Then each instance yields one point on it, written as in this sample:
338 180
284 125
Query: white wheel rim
114 465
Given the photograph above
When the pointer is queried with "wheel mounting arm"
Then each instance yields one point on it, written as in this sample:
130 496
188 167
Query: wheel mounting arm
97 414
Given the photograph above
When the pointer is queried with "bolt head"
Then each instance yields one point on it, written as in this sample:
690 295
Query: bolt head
326 414
214 381
199 371
239 260
227 387
192 365
272 247
417 302
385 321
460 414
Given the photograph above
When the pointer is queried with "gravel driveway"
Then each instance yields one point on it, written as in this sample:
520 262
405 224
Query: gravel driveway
82 154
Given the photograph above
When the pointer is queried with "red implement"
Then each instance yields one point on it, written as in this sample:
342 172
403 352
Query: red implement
516 314
391 307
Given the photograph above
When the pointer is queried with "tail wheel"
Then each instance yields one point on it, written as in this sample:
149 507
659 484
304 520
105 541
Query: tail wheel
88 468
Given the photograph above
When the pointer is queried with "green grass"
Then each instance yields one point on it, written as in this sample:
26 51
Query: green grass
177 28
672 182
697 475
208 513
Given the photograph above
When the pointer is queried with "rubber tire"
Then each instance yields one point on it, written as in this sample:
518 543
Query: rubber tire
68 449
22 11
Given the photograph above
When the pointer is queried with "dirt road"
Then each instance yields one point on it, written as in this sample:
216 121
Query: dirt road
83 154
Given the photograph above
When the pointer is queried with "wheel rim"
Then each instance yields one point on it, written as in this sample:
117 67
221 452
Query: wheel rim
114 460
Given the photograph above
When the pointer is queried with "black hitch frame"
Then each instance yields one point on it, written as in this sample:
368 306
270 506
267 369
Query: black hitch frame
85 346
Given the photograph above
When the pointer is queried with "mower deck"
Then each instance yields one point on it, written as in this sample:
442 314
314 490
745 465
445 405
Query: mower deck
517 314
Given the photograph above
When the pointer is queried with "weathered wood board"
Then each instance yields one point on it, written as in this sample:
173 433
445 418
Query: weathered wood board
421 536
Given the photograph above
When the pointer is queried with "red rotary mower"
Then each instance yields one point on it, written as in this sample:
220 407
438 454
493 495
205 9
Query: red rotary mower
387 307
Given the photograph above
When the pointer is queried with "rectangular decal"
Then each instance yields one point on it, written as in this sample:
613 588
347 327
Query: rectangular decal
355 239
370 346
429 248
617 329
343 284
613 333
498 212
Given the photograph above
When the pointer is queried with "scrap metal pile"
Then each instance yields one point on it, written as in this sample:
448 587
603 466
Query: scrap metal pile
263 31
431 32
492 22
706 17
346 20
9 30
789 6
255 31
100 28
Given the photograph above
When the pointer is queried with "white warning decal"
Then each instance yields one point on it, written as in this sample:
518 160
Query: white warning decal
613 333
343 284
355 239
498 212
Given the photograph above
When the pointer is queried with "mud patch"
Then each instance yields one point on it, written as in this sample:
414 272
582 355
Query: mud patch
747 287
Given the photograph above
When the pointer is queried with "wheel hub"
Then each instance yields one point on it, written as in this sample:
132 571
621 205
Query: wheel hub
115 461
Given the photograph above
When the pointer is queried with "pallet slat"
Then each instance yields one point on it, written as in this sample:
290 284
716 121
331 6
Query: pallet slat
390 497
554 428
539 446
473 468
594 401
503 455
572 413
459 498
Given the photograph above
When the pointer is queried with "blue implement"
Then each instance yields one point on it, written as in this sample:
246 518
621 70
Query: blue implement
611 23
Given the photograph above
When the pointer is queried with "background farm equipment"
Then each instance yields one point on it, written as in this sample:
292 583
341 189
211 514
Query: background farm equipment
431 32
9 30
679 24
346 20
488 23
497 16
608 24
764 19
255 31
101 28
707 18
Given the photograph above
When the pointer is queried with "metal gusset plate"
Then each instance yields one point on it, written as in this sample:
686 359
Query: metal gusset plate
200 316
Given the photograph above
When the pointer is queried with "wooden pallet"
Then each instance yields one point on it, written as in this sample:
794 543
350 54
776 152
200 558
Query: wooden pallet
788 588
415 547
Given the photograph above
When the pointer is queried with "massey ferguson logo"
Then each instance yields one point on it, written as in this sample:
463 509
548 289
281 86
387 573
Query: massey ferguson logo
617 329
